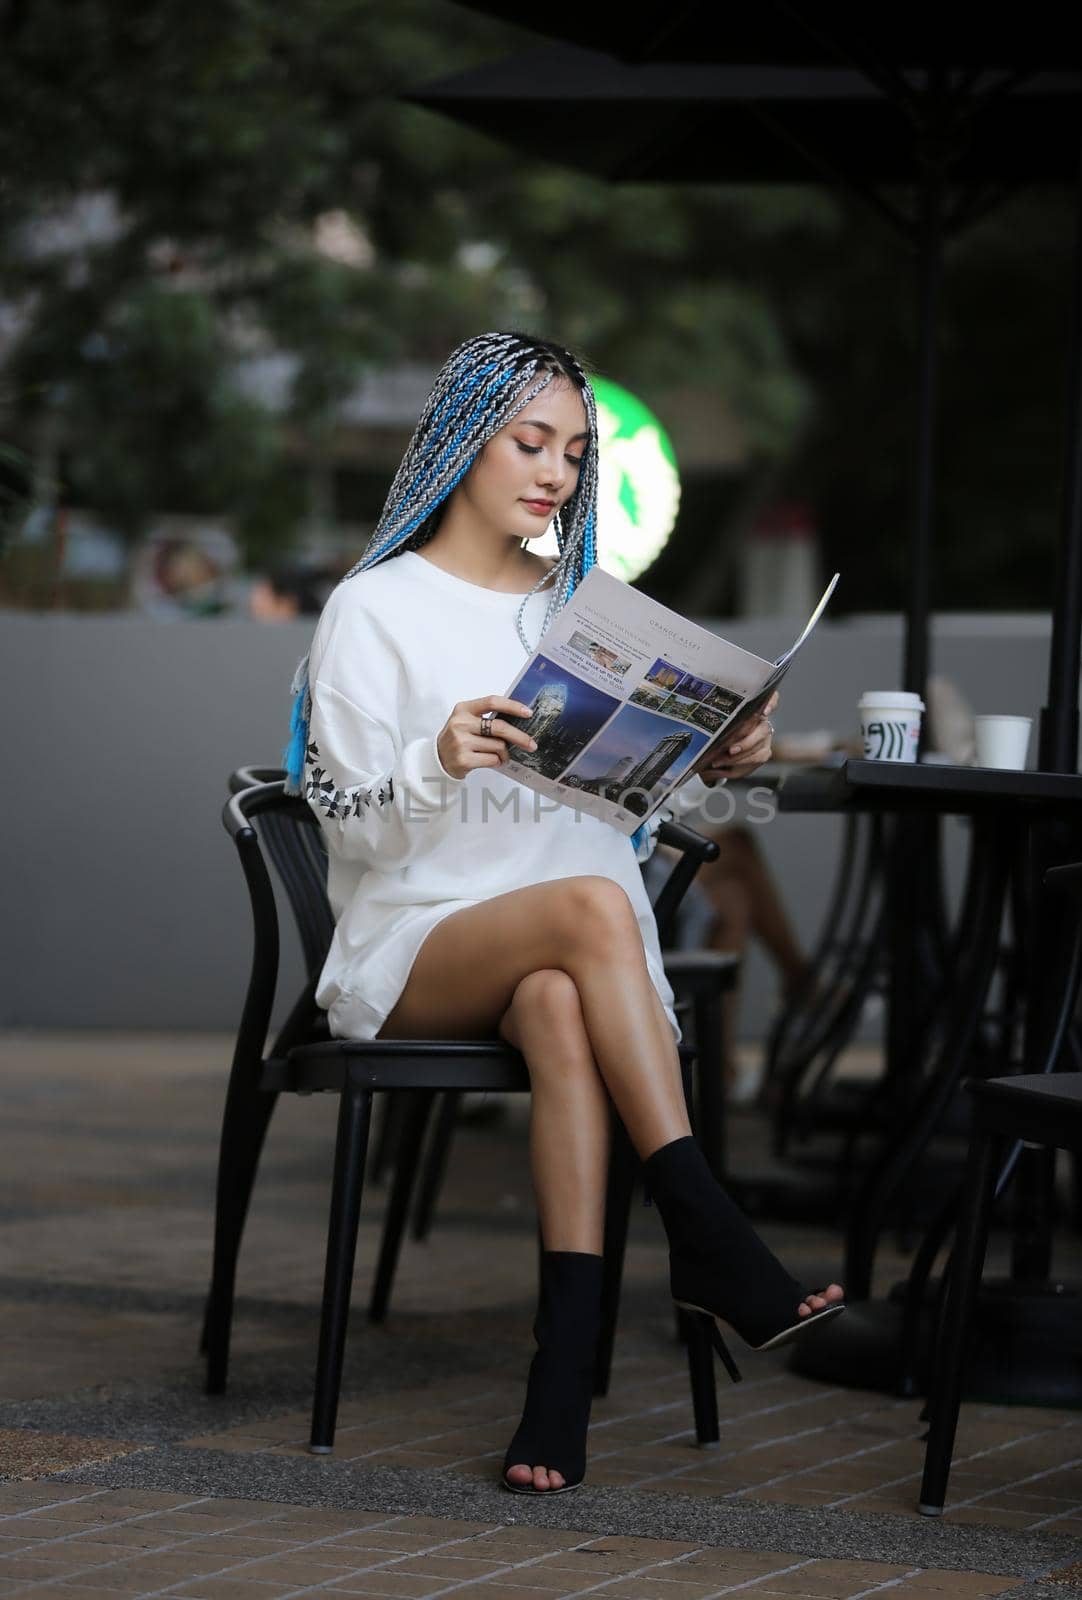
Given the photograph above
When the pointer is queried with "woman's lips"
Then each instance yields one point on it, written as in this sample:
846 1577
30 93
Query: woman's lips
540 508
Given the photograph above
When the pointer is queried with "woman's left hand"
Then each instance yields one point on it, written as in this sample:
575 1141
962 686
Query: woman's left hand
751 745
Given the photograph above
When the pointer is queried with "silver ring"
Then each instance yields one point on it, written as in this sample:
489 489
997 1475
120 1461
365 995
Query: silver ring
487 719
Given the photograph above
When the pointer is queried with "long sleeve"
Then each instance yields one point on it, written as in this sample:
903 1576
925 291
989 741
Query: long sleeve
380 802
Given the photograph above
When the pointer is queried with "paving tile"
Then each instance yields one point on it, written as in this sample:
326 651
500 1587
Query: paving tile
963 1585
641 1549
26 1568
239 1546
230 1589
79 1511
742 1563
303 1566
75 1591
116 1580
33 1526
866 1572
387 1541
26 1453
650 1586
449 1564
390 1583
488 1591
24 1494
551 1580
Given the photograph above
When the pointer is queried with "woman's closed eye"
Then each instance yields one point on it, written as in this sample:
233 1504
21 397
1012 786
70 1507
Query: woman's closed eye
535 450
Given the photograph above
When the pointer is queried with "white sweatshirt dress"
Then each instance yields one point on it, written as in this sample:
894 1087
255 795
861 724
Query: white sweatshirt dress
395 649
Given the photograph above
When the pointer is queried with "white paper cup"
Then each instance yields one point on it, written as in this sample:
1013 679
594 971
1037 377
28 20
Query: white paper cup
1002 742
890 724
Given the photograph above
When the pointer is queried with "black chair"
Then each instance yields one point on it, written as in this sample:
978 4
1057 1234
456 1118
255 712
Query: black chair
1043 1109
300 1061
699 978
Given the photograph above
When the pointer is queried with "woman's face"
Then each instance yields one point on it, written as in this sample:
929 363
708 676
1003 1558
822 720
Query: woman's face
530 468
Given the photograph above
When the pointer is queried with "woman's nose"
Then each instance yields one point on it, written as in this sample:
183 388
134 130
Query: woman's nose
551 473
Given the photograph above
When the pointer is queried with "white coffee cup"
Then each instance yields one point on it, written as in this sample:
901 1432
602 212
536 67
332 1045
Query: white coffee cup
1002 742
890 724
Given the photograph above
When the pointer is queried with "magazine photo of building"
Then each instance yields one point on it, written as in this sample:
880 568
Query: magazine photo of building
565 714
599 653
681 694
635 758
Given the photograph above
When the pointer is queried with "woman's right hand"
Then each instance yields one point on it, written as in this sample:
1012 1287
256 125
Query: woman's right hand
461 745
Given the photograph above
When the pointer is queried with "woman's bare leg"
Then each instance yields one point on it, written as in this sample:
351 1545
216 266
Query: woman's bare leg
570 1124
492 968
745 901
569 1110
469 966
469 980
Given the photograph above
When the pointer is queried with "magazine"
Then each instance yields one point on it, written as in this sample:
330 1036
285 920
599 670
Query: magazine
627 697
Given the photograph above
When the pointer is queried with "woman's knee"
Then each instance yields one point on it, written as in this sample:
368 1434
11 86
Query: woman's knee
596 915
548 996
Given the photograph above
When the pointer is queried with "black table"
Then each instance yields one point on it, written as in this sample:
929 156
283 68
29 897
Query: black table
1022 823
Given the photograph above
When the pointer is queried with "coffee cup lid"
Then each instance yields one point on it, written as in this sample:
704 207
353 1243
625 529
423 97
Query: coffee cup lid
897 699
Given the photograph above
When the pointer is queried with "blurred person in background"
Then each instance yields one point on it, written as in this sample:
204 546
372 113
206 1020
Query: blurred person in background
283 593
732 900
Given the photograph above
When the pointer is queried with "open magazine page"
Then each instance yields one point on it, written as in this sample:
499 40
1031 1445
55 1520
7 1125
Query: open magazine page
626 697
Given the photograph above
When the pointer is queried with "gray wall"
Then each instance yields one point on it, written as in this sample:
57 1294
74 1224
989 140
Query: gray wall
125 905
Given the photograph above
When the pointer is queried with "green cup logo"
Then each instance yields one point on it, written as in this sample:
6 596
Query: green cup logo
638 488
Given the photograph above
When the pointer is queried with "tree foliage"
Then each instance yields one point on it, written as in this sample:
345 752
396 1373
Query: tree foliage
168 173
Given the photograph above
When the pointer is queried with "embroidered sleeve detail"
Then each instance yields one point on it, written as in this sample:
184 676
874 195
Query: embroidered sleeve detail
335 801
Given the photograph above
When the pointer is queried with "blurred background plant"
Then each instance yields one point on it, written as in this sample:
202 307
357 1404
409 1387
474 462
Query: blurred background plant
222 236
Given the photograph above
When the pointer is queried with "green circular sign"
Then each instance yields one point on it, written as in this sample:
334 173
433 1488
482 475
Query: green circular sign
639 486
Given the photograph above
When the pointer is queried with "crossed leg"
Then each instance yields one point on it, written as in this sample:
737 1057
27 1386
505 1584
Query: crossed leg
559 970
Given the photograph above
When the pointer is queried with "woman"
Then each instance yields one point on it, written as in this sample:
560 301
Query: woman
466 907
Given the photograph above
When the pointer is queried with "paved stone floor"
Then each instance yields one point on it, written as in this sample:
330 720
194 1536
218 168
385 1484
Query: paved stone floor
119 1476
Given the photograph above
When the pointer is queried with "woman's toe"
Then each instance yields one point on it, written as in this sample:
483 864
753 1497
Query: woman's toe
819 1302
541 1478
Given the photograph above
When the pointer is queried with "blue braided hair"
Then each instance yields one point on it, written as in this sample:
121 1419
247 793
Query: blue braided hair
482 386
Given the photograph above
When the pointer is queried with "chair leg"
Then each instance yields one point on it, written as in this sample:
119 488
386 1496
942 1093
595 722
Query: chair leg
245 1121
621 1184
354 1114
966 1268
387 1136
435 1166
412 1123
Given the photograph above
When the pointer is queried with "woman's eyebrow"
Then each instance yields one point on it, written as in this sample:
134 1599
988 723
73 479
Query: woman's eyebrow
546 427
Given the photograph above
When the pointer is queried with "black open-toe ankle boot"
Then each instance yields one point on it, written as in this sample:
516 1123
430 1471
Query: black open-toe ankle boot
719 1268
556 1415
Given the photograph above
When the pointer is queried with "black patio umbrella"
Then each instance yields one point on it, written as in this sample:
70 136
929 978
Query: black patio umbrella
673 122
959 138
805 32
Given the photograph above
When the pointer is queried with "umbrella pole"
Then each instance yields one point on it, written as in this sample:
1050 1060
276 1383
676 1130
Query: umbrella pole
929 274
1058 748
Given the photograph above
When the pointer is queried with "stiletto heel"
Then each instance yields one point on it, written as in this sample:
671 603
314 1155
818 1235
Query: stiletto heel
713 1333
560 1388
718 1265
